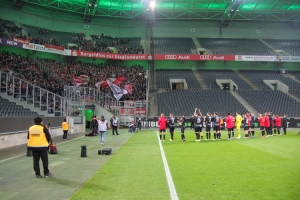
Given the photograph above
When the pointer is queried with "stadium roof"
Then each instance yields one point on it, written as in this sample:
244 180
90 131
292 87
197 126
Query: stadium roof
223 11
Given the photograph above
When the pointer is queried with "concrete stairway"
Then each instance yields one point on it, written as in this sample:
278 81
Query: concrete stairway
196 42
244 103
273 50
153 111
23 103
291 76
201 81
247 80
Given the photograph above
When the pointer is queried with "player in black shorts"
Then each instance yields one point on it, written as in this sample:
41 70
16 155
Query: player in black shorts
246 122
198 119
208 123
171 121
252 124
216 124
182 127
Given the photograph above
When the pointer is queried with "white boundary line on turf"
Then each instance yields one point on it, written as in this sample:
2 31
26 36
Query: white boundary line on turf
172 189
26 153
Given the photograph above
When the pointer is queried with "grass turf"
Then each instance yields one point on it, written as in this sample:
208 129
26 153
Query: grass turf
255 168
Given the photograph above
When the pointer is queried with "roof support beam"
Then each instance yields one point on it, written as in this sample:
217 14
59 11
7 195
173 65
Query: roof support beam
229 13
18 4
90 9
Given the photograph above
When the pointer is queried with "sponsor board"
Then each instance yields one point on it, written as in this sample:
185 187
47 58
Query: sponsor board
130 111
20 40
288 58
7 42
254 58
109 55
193 57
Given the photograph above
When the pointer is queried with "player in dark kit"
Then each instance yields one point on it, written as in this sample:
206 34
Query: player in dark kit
192 122
284 124
198 119
252 124
171 121
247 122
182 127
217 125
208 123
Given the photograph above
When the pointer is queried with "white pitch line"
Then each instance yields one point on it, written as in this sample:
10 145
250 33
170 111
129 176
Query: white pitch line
172 189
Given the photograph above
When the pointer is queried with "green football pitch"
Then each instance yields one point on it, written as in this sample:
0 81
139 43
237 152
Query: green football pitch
254 168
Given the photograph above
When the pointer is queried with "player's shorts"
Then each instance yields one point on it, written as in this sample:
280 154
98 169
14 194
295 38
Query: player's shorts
198 129
182 129
252 126
262 128
230 129
278 127
162 130
246 128
216 128
172 129
238 126
208 128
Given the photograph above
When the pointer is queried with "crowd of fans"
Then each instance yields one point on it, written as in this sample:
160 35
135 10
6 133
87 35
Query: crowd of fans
101 72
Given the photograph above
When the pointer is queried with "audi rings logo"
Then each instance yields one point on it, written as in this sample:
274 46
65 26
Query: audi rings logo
205 57
170 57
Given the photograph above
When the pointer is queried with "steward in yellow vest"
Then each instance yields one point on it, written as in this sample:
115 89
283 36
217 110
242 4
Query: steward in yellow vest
38 142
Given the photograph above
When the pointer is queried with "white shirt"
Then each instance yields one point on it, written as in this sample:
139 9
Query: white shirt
102 125
115 121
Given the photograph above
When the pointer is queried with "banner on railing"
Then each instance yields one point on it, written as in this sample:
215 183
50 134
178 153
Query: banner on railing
7 42
193 57
48 48
109 55
20 40
254 58
130 111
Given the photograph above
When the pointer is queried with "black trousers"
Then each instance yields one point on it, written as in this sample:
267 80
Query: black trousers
192 125
115 128
43 154
65 134
284 129
139 125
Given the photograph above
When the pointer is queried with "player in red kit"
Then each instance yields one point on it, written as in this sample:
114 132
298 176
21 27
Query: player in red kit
162 122
278 124
261 121
267 124
229 124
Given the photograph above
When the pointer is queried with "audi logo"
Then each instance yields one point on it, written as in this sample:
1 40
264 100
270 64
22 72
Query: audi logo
205 57
170 57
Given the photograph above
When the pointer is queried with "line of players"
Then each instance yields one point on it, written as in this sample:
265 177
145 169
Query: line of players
266 121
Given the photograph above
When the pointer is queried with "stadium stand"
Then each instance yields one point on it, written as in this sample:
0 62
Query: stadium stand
163 77
234 46
271 101
257 77
290 46
184 102
10 109
210 76
173 45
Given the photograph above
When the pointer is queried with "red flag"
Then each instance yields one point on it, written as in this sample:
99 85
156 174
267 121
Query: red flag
77 81
128 87
119 80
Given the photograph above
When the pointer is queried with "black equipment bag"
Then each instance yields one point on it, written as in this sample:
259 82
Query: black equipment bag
105 151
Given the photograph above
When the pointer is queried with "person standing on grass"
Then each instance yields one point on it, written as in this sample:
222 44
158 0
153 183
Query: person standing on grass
181 122
217 126
274 124
172 121
229 125
115 122
198 121
65 128
261 121
252 125
208 120
278 124
38 142
267 125
238 123
270 120
246 121
232 130
284 124
102 127
162 122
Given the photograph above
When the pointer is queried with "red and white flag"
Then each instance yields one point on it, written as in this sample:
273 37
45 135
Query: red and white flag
77 81
84 77
117 91
119 80
128 87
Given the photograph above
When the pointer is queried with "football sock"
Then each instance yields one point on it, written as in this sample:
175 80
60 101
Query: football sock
229 135
215 136
172 135
278 131
232 134
201 137
196 136
160 136
274 131
164 136
252 133
209 135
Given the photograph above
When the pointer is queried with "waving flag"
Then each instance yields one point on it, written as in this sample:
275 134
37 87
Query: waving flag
119 80
117 91
77 81
128 87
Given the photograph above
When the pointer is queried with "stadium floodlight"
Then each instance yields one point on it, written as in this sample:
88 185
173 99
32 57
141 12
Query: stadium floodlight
152 4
